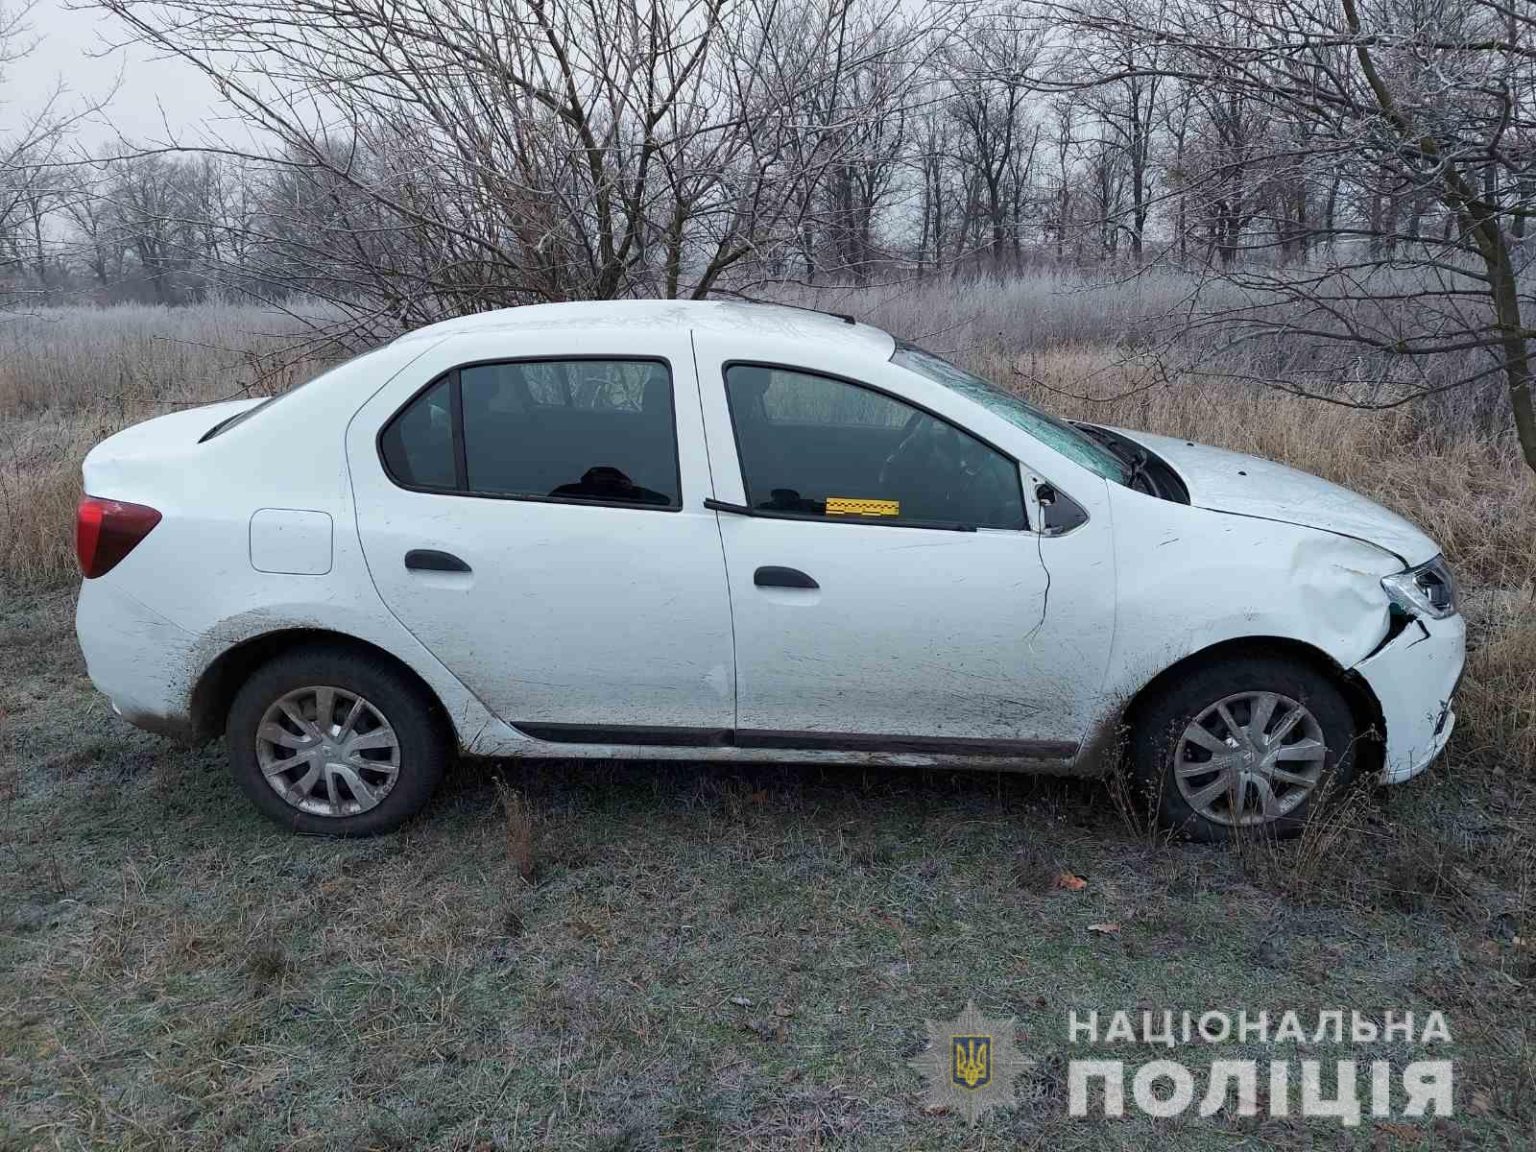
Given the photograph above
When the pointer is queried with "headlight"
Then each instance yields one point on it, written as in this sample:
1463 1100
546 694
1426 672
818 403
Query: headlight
1429 589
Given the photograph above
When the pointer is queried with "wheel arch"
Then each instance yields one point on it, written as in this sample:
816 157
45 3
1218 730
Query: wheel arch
1361 699
221 680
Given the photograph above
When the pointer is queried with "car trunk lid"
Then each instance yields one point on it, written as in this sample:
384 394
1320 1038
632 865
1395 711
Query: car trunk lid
124 463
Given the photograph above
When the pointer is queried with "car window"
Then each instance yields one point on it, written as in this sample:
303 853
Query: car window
418 443
1071 442
579 430
815 446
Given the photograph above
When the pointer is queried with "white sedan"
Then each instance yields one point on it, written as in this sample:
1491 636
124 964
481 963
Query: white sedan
745 532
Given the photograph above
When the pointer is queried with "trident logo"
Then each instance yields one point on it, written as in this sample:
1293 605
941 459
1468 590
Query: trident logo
973 1061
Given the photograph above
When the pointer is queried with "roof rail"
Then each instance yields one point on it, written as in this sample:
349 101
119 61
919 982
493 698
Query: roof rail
843 316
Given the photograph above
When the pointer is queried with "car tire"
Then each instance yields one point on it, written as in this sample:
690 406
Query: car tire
370 769
1227 699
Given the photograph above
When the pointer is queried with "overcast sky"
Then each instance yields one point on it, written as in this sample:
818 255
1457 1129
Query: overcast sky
73 46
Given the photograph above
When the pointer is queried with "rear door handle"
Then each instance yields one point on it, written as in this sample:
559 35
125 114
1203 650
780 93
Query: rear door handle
431 560
772 576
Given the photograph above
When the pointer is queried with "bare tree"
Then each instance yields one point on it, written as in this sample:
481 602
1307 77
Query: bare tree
94 239
995 140
152 206
1361 172
471 155
31 182
1421 114
1127 108
1060 220
868 138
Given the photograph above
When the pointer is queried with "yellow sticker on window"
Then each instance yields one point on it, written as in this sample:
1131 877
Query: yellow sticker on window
849 506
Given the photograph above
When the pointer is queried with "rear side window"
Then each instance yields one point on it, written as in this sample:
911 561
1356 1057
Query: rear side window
599 431
815 446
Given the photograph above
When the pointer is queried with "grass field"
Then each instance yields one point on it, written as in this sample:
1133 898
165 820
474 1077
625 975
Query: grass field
704 956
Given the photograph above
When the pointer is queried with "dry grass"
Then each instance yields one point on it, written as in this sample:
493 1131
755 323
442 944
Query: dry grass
70 377
133 357
1497 701
518 821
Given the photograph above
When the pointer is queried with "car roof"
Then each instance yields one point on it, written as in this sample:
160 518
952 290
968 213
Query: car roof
725 316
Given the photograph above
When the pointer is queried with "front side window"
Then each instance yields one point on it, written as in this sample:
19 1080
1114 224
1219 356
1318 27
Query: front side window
578 430
814 446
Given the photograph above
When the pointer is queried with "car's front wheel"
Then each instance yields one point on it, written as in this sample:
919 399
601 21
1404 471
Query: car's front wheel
1242 743
335 741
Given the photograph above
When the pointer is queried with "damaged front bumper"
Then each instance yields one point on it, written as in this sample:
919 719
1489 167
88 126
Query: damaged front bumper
1414 677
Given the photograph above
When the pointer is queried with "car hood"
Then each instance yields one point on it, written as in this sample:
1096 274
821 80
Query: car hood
1224 481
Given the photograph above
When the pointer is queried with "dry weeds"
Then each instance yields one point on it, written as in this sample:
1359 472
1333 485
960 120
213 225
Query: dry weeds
518 822
70 377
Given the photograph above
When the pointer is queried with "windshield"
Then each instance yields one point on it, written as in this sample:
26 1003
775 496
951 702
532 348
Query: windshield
1057 434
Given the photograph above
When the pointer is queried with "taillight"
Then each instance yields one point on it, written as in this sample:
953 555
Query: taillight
107 530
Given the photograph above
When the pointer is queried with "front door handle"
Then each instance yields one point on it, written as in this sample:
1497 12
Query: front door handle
431 560
772 576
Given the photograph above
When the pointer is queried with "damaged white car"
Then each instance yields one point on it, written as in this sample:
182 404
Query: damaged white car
717 530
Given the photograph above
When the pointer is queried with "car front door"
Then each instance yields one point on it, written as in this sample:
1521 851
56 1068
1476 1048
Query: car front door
532 512
887 590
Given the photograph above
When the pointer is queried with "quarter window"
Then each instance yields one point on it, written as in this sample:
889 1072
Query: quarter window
418 443
811 445
598 431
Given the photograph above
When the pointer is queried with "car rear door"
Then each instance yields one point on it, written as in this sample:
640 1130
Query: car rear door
530 506
887 591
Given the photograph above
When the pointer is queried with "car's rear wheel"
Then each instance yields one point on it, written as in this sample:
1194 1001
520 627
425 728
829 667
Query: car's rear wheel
335 741
1242 743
